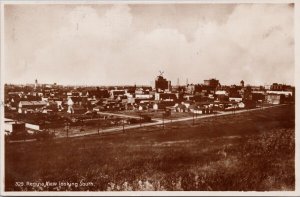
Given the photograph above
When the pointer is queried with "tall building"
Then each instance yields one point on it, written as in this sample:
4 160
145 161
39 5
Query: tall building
162 84
211 82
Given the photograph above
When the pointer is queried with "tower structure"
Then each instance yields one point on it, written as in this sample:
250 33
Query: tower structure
242 83
35 84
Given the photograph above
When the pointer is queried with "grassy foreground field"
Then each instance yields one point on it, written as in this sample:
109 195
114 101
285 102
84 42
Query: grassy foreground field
252 151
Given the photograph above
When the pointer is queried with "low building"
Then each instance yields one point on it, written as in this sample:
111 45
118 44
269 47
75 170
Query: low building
221 92
116 93
165 97
285 93
275 99
163 105
143 96
28 106
236 99
14 127
181 108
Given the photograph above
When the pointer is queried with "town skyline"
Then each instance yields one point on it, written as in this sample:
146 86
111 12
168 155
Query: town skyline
112 45
151 83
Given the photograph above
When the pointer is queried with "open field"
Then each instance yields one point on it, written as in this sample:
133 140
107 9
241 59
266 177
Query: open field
251 151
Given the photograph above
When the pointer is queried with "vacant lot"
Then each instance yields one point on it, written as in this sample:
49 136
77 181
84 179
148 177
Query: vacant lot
252 151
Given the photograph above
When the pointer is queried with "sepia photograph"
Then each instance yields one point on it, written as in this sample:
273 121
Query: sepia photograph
130 97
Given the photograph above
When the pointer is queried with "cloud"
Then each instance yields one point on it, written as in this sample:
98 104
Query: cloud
111 44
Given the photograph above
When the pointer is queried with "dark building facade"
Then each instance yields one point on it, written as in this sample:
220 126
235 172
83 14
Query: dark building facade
211 82
162 84
280 87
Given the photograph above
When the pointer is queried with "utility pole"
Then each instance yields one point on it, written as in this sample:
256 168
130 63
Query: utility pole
140 119
123 121
193 118
67 129
163 119
235 106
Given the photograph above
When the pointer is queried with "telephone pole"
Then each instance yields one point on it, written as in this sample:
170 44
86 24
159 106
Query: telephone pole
123 121
163 121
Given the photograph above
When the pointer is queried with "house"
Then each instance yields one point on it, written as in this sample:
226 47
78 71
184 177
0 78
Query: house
163 105
187 103
143 96
74 93
78 102
30 106
222 97
116 93
197 109
221 92
236 99
241 105
165 97
207 109
143 106
275 98
181 108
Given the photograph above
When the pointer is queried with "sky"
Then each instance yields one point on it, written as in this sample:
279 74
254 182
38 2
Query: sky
127 44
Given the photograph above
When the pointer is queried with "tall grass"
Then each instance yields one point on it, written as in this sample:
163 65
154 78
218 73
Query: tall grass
244 152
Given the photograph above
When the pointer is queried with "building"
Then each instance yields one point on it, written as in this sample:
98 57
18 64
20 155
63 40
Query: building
30 106
35 84
14 127
165 97
285 93
162 84
275 98
115 93
163 105
76 104
212 83
280 87
242 83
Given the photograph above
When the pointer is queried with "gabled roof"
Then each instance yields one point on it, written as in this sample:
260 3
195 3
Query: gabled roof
31 103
